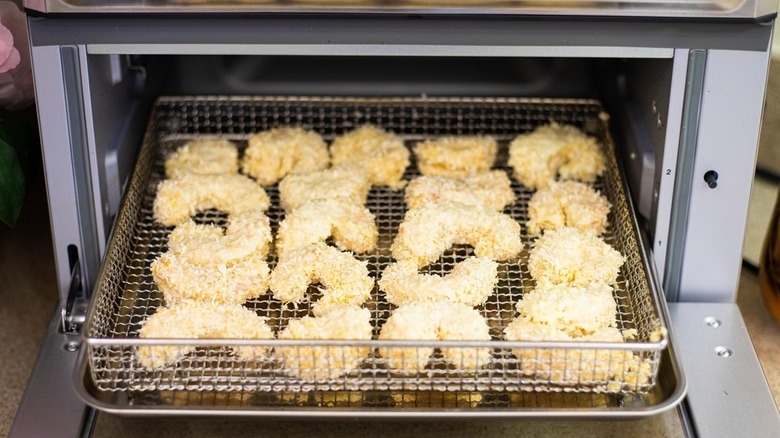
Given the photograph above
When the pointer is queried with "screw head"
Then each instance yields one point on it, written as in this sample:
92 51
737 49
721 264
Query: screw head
712 322
724 351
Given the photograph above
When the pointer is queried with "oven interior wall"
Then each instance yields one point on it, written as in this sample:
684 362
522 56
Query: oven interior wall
635 93
381 76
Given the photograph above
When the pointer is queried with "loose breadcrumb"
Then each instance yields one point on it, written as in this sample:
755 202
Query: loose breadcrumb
572 257
193 320
574 310
568 204
431 321
550 150
346 181
456 155
345 279
273 154
178 199
229 283
470 282
320 363
381 153
489 189
352 226
206 156
446 399
431 229
247 233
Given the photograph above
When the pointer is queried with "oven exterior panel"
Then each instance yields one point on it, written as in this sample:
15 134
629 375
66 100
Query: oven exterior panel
728 132
729 9
728 395
220 34
66 164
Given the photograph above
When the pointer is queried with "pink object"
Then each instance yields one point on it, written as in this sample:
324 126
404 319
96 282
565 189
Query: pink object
16 84
9 56
37 5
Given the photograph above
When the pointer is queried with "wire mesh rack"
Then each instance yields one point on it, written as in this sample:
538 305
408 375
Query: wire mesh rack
346 373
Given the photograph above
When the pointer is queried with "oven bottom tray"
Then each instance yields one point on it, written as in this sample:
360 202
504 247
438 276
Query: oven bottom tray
518 378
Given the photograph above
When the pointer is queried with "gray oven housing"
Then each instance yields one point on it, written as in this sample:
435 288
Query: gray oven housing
685 92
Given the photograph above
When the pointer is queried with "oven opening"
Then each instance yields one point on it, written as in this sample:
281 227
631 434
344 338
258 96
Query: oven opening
634 93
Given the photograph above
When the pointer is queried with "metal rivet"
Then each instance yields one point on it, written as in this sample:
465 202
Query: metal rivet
712 321
724 351
72 346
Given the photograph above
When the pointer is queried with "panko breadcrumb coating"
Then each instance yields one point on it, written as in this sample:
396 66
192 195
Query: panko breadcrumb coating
281 151
489 189
207 156
550 150
247 233
342 323
470 282
431 229
572 257
345 279
411 322
348 181
352 226
193 320
574 310
178 199
381 153
456 155
229 283
431 321
568 204
613 370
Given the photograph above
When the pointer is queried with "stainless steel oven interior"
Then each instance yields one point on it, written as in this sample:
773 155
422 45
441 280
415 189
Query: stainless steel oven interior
684 100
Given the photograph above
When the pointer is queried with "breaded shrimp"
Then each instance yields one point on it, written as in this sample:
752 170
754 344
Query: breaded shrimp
574 310
206 156
178 199
568 204
247 233
192 320
470 282
352 226
611 370
347 181
320 363
456 156
381 153
230 283
490 189
273 154
428 231
345 279
572 257
550 150
431 321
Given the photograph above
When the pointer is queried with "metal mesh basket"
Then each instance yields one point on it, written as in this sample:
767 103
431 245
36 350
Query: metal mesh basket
353 373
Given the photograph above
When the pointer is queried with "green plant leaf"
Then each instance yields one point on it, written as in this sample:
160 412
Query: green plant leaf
11 185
